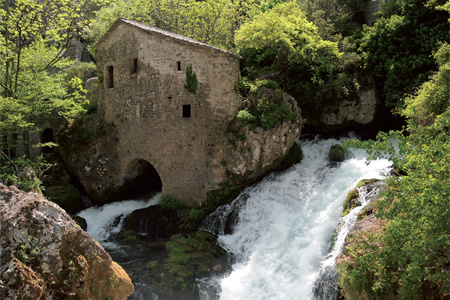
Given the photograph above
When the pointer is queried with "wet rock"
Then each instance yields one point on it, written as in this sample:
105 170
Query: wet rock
45 255
337 153
81 222
152 221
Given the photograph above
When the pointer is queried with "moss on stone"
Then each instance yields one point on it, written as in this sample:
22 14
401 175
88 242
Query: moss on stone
129 235
189 257
349 202
336 153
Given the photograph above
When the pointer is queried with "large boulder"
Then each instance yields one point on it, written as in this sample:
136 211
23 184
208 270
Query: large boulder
44 254
251 151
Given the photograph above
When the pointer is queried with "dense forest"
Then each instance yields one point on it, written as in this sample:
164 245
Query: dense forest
309 48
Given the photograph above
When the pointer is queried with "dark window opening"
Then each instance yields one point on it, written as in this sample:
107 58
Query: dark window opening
134 66
109 77
179 65
47 137
186 111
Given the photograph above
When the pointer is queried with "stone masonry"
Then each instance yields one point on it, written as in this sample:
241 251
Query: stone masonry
142 92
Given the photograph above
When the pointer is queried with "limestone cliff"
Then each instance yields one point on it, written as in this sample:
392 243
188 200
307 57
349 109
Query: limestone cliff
250 149
360 109
45 255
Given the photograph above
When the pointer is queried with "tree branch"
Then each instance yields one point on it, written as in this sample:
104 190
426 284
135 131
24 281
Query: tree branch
15 166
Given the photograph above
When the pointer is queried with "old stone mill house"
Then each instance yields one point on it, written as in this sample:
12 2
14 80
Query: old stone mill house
160 133
160 123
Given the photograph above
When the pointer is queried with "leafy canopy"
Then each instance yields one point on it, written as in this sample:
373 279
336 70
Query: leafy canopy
282 45
34 87
208 21
397 48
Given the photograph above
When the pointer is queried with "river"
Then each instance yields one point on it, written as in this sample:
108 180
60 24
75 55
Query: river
280 232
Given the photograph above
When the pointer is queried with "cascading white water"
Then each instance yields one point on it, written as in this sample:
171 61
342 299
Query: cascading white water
106 220
282 232
325 286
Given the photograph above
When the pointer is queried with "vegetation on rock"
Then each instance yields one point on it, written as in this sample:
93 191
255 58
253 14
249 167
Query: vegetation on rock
191 80
410 259
337 153
188 258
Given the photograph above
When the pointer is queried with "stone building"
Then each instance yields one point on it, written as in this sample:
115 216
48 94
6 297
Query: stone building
173 136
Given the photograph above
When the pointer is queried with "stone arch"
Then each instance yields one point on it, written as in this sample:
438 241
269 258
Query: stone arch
140 179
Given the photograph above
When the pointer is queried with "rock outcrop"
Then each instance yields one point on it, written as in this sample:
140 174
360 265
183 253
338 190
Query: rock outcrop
251 150
359 110
94 158
45 255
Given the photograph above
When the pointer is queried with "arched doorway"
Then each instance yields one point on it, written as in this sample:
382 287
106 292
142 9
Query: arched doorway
140 180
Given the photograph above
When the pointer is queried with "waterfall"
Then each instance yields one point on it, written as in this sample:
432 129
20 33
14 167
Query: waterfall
280 229
106 220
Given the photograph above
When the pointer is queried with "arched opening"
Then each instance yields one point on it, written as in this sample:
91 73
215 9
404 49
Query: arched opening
141 180
47 137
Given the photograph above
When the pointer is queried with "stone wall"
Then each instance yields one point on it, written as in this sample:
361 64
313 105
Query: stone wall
146 103
142 98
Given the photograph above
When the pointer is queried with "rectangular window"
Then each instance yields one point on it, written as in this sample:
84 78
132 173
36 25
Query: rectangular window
109 78
186 111
134 66
179 65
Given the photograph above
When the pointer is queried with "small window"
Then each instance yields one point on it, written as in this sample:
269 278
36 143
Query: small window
179 65
186 111
134 66
109 78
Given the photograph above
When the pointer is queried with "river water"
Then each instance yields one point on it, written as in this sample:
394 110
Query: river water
279 230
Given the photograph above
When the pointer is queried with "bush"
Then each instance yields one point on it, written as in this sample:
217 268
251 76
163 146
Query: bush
410 259
267 114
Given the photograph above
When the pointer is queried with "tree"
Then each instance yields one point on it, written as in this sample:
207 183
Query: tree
35 34
396 50
281 44
410 259
208 21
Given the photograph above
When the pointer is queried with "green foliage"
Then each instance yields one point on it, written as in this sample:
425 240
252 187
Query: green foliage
208 21
410 260
35 82
396 50
172 203
282 45
191 79
29 172
189 258
267 114
433 97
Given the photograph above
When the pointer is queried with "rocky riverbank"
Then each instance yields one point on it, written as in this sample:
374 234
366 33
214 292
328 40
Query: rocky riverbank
44 254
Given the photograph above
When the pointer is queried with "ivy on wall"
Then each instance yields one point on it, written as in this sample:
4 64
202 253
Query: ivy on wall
191 80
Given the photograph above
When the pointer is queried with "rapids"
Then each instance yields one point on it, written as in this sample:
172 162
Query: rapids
278 231
281 233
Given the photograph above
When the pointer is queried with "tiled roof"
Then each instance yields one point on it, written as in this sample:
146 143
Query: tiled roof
160 31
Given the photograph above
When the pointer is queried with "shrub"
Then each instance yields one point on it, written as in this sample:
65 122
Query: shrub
191 80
